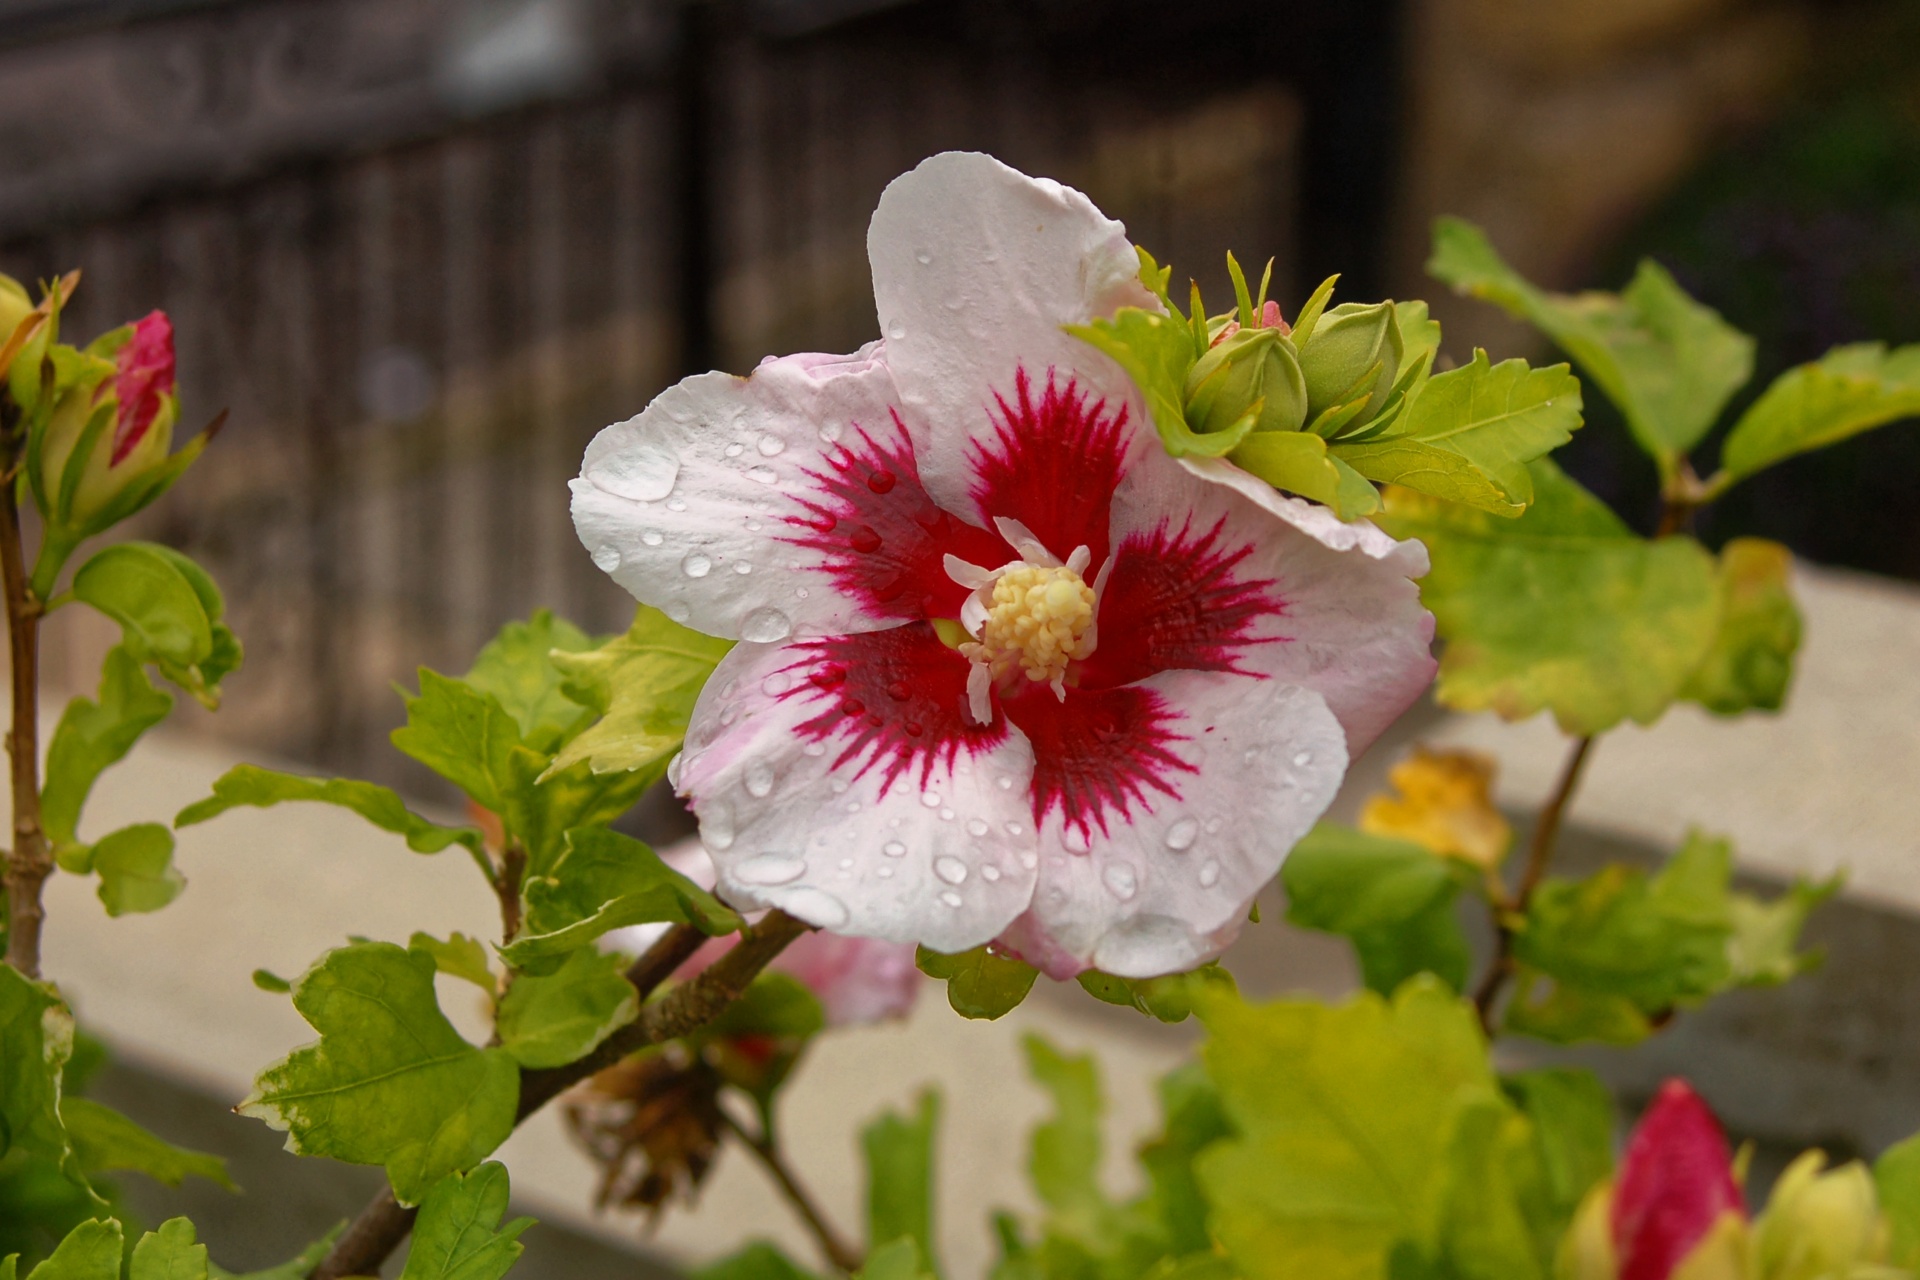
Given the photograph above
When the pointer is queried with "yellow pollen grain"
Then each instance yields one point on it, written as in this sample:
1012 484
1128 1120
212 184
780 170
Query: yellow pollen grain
1039 619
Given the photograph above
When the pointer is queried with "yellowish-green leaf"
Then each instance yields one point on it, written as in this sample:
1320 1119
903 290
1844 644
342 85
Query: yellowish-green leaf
171 1253
106 1140
458 1235
1750 663
459 957
643 684
1849 390
551 1020
516 667
93 735
981 983
135 866
247 784
36 1040
1391 898
1299 462
1157 351
91 1251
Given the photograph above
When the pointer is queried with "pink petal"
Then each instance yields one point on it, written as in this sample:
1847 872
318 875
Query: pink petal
1676 1180
1164 884
842 781
975 269
781 503
143 378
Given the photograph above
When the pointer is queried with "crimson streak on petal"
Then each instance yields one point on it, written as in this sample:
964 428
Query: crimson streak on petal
882 537
1175 603
1054 465
891 700
1098 753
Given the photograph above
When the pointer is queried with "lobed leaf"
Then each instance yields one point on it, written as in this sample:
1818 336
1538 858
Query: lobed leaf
1847 391
643 684
462 734
390 1081
247 784
1303 463
1157 351
543 805
1896 1175
1391 898
91 1251
981 983
458 1235
135 866
296 1268
103 1139
517 669
900 1180
459 957
551 1020
93 735
1562 609
36 1041
171 1253
1750 661
1763 949
1168 998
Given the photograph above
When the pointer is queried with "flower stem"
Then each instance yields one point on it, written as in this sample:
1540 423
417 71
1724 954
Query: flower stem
766 1146
29 863
1546 834
384 1223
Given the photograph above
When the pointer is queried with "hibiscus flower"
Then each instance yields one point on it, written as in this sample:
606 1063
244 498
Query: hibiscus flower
1008 670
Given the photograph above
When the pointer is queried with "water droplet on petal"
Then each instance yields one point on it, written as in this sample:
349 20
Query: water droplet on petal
716 826
770 444
1209 874
676 504
1004 783
766 625
863 539
815 906
696 565
1214 824
853 806
990 873
1029 859
950 869
770 868
606 559
952 899
838 786
884 872
894 849
977 826
814 749
923 258
652 537
1076 840
777 683
1182 834
742 567
765 475
900 690
882 481
1302 759
673 769
946 815
678 611
642 472
896 331
931 799
735 449
759 779
1120 880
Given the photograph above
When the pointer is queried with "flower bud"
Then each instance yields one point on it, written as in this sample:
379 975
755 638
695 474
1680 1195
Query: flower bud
15 306
1820 1224
1243 369
137 435
1676 1196
1354 351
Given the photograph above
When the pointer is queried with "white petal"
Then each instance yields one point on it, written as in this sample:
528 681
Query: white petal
970 576
1169 889
975 269
692 505
940 857
1022 540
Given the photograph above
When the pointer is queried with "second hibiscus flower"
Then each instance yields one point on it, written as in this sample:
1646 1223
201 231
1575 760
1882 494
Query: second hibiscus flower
1009 671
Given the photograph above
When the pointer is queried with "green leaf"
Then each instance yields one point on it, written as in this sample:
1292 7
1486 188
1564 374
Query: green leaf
162 617
1669 363
93 735
1750 662
91 1251
1849 390
1560 1013
106 1140
643 684
171 1253
896 1261
981 983
1470 433
1392 899
135 866
390 1081
297 1268
1572 1132
1156 352
515 667
758 1261
462 734
459 956
1299 462
1194 1120
1763 949
900 1190
1656 940
36 1039
267 980
543 805
603 881
1065 1160
1169 998
1344 1116
247 784
775 1005
458 1235
553 1020
1486 1181
1563 609
1896 1174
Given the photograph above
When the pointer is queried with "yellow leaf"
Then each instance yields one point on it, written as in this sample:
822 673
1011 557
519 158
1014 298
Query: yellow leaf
1444 804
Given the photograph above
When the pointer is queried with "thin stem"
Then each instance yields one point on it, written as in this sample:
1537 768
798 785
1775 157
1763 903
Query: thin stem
30 863
383 1224
506 885
766 1146
1546 834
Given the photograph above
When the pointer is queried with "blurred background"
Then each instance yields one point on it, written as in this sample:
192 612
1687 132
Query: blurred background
423 249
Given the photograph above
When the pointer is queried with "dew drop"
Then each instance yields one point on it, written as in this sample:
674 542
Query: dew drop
863 539
977 826
1120 881
830 432
676 504
896 331
1210 874
606 559
950 869
765 475
801 593
777 684
1302 759
946 815
1029 859
884 872
642 473
814 749
770 868
653 537
673 769
1005 784
894 849
853 806
881 481
952 899
678 611
727 689
1014 829
1214 824
766 625
838 786
1182 834
735 449
931 799
815 906
770 444
759 779
923 258
696 565
900 690
716 827
990 873
846 864
742 567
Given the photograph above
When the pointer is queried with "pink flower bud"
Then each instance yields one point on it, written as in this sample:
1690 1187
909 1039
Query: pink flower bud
1676 1182
143 380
